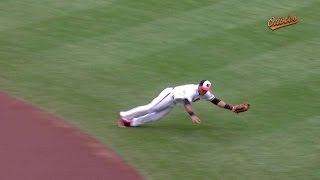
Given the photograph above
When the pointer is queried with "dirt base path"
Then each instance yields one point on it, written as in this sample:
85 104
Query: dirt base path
35 145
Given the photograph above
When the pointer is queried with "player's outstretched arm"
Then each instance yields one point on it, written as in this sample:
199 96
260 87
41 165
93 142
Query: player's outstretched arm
222 104
188 108
237 109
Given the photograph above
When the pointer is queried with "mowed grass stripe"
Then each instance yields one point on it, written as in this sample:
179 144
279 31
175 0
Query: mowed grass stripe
90 23
16 14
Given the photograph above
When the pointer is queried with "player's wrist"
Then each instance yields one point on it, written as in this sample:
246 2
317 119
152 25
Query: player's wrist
191 113
230 107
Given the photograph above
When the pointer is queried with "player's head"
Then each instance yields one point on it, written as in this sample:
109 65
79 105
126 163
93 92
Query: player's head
205 85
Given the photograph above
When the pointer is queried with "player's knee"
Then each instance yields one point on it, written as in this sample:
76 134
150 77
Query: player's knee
151 110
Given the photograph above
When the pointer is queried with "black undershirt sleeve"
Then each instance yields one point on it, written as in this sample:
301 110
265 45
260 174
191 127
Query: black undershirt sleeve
215 101
186 101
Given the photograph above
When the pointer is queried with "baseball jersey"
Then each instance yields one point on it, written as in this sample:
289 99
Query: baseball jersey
190 92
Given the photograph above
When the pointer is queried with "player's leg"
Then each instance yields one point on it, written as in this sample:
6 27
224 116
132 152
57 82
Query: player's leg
163 100
150 117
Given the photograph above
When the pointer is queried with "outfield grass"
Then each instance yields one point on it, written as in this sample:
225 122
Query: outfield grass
87 60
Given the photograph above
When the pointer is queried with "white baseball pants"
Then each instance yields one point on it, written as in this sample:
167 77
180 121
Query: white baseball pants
155 110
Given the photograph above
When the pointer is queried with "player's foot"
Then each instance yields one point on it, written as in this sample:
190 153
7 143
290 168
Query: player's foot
123 123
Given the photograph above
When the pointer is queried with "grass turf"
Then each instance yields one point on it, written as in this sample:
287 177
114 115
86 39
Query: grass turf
87 60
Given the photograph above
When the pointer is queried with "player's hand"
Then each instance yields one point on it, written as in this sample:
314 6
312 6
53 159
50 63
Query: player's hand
196 119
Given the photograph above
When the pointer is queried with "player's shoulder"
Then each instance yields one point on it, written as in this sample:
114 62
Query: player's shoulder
208 95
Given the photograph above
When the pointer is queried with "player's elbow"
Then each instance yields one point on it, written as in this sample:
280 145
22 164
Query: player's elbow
186 102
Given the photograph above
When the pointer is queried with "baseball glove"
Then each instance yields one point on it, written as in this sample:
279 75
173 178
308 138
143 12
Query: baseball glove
242 107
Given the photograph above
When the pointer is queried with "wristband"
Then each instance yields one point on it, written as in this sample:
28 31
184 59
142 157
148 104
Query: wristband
227 106
191 113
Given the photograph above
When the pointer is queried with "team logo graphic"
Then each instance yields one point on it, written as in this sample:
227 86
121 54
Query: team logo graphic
276 23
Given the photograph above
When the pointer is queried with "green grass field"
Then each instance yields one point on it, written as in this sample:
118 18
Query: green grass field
85 60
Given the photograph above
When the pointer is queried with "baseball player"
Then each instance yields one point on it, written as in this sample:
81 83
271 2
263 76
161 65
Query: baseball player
169 98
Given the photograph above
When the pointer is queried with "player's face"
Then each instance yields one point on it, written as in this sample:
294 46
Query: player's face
201 91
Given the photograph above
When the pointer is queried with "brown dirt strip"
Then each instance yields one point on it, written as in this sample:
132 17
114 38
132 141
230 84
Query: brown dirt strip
35 145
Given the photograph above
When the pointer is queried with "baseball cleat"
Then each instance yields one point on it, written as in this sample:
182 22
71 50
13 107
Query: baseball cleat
123 123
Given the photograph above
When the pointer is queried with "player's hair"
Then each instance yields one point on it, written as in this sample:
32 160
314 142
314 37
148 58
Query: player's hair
201 82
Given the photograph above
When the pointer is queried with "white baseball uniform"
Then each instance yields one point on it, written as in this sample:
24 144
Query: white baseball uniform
164 103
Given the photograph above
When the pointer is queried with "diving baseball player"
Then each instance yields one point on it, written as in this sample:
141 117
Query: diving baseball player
169 98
